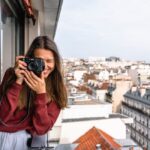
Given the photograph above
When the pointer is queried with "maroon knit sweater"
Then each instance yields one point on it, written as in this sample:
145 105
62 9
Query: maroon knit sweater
41 118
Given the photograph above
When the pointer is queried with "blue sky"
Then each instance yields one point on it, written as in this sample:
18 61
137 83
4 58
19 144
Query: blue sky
104 28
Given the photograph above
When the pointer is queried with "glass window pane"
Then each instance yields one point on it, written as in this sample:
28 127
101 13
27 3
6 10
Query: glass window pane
10 33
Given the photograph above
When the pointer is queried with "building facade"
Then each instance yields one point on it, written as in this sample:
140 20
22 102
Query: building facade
136 104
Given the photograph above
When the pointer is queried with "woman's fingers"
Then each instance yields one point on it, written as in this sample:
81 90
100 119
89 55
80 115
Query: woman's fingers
29 78
34 82
35 77
20 64
42 76
28 83
19 57
19 68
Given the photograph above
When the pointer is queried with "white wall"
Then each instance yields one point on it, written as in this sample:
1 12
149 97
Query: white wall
100 95
82 111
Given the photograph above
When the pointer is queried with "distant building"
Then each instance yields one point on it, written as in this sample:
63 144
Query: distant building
103 75
99 89
136 104
142 70
115 59
78 74
121 84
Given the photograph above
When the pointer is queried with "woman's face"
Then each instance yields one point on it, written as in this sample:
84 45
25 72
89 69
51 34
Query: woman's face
48 58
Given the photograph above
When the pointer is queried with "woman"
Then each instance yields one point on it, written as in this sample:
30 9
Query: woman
30 103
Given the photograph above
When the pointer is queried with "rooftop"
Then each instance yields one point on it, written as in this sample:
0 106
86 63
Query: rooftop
96 136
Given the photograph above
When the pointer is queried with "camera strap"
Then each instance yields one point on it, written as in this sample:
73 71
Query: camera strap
21 120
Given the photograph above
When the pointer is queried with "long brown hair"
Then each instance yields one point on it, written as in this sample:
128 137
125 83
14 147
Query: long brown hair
54 83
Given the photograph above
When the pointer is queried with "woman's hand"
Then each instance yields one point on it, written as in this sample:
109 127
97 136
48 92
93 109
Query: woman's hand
36 83
19 68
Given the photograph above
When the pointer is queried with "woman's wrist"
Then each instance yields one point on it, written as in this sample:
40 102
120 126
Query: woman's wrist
41 92
19 81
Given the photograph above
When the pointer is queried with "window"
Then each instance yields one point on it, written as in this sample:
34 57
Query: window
11 33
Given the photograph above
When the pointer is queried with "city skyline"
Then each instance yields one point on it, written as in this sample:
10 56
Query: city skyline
104 29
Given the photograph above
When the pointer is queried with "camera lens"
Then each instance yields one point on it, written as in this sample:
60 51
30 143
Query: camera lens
33 66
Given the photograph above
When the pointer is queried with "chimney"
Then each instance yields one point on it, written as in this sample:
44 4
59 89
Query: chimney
98 147
139 80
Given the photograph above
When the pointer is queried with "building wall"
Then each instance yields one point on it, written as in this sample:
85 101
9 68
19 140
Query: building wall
138 108
121 88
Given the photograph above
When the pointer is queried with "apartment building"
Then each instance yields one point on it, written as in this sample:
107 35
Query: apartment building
136 104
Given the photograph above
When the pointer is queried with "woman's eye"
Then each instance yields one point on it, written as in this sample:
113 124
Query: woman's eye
49 60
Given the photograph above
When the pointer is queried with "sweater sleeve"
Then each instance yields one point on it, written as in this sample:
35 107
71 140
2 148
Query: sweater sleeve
9 101
44 115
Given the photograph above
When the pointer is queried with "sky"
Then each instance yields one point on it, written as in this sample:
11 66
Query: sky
104 28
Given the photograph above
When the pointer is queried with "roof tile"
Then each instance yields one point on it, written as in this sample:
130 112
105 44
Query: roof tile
95 136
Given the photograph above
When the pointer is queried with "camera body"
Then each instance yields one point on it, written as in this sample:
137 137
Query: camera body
36 65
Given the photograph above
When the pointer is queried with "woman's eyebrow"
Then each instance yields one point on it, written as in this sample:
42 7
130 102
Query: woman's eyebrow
45 58
48 59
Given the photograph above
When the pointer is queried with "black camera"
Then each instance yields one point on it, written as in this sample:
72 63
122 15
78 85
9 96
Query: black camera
36 65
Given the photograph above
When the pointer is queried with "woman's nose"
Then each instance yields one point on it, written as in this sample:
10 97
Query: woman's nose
46 65
49 63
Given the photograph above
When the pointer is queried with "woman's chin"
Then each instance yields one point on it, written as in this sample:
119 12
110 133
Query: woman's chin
46 75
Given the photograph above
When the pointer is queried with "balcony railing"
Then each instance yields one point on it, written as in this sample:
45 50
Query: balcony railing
137 109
